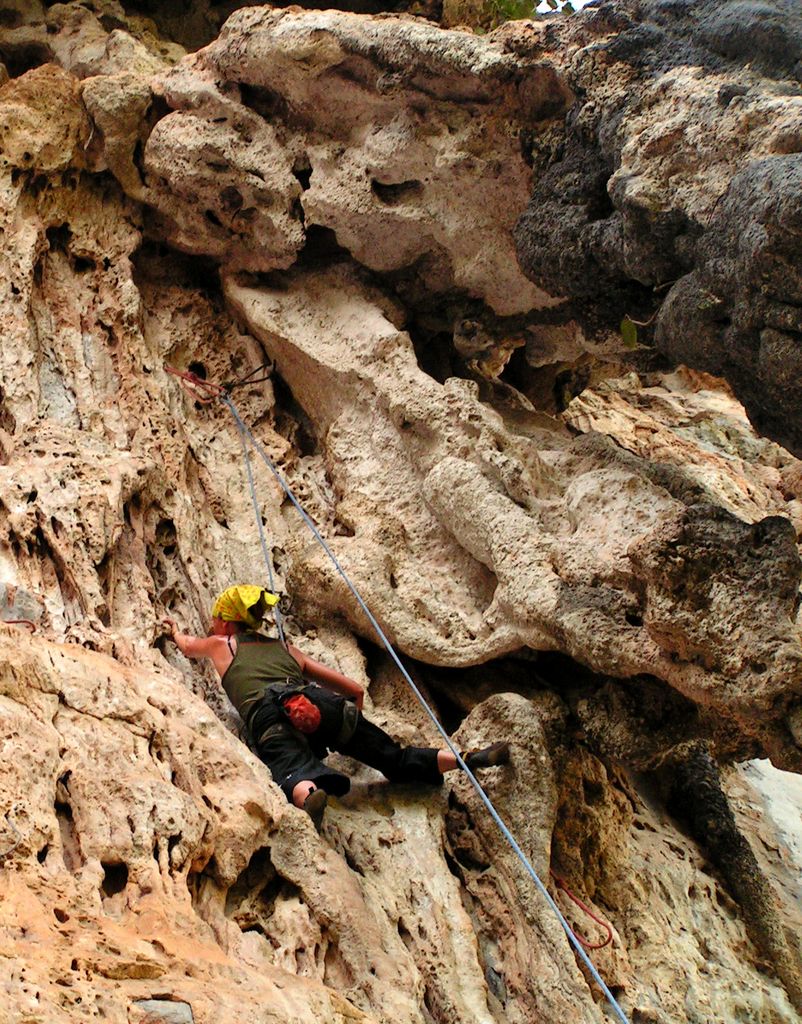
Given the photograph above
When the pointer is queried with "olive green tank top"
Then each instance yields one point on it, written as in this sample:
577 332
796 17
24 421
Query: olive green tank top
258 664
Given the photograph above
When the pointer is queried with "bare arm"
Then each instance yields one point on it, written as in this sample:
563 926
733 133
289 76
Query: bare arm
215 648
328 677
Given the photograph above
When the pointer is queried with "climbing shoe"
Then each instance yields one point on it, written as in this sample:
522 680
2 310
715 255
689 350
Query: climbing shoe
315 805
488 757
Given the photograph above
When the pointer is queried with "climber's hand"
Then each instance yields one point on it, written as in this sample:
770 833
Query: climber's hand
359 699
170 627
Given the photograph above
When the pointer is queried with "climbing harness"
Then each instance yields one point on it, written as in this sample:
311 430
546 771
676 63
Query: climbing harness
223 393
560 883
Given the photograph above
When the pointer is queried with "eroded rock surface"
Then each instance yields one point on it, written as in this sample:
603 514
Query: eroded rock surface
399 137
560 544
677 188
598 562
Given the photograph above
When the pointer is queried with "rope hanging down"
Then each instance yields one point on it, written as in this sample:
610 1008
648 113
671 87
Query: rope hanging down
257 513
195 386
217 390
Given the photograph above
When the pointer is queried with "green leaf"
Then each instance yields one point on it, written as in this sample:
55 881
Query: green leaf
553 4
629 332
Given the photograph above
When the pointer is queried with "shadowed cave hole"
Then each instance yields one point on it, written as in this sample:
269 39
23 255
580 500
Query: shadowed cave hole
59 237
392 194
155 264
251 900
434 352
320 246
254 926
105 574
404 934
258 872
39 183
70 845
80 264
270 105
166 536
302 169
453 692
23 57
115 877
291 420
172 843
600 205
461 337
231 199
593 792
646 703
550 386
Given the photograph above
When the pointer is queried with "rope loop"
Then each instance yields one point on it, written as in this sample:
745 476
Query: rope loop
560 883
205 391
20 622
190 381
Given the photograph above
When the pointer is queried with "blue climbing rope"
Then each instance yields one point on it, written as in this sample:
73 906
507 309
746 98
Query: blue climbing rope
243 436
246 433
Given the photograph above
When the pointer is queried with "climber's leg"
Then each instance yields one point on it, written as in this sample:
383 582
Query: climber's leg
311 799
372 746
487 757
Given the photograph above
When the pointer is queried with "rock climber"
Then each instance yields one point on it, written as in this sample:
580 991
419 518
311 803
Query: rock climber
296 710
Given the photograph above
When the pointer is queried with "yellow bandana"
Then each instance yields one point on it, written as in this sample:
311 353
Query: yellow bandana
244 603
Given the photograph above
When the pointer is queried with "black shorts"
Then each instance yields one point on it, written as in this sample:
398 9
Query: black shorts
292 756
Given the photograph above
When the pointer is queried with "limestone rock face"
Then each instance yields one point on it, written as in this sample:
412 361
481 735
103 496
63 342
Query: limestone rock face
402 139
690 119
738 313
573 545
548 542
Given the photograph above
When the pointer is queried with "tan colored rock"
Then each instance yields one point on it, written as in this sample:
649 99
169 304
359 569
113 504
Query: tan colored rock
146 858
119 106
44 124
389 126
699 430
135 787
570 534
225 190
617 848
